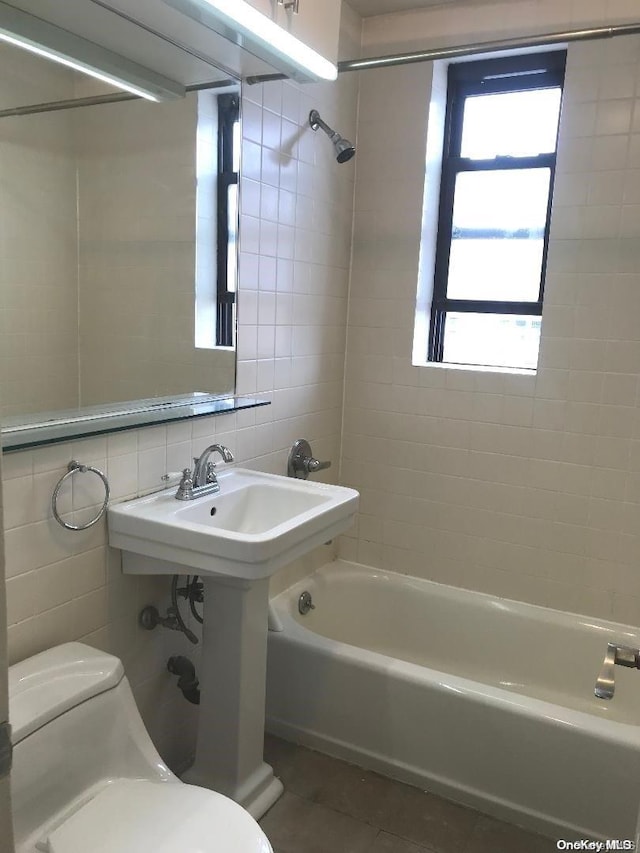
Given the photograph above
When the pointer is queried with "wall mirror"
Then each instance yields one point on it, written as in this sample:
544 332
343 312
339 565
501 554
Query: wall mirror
118 238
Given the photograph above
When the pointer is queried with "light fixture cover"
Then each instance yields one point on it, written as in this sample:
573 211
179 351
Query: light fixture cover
59 45
241 23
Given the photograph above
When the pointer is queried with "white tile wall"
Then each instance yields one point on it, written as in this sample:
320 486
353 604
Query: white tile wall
297 207
520 486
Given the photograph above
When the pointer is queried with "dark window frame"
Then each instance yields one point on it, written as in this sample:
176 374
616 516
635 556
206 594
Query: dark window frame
228 115
521 73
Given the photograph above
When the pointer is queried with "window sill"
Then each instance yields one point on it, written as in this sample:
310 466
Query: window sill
215 347
478 368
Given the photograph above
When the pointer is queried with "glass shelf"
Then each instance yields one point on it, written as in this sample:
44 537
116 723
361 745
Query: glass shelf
21 433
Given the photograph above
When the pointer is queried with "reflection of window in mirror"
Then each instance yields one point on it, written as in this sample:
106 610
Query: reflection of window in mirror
218 165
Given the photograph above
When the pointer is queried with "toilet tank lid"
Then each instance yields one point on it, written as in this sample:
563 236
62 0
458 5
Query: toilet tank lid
43 687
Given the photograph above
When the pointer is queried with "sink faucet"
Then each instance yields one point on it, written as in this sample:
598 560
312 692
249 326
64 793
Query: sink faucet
203 480
203 472
620 655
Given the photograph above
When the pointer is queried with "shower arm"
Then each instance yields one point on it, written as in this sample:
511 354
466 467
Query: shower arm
317 122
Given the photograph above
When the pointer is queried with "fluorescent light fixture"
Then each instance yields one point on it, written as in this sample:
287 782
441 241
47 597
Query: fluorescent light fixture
44 39
241 23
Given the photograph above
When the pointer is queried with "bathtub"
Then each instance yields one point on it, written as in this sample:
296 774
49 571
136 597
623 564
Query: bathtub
484 700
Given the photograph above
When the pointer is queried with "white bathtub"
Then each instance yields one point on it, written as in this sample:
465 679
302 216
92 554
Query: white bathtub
487 701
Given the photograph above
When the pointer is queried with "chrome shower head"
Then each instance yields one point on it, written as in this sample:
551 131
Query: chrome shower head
345 150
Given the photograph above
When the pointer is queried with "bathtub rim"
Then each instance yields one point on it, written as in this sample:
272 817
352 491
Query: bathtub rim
513 604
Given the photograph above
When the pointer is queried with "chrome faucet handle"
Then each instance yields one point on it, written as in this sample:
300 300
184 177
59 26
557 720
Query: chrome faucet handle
290 5
185 489
616 655
606 680
301 461
211 472
314 465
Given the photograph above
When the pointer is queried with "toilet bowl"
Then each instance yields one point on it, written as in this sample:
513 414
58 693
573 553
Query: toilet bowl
86 775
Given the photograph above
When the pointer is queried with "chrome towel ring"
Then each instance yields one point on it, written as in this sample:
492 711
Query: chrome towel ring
72 468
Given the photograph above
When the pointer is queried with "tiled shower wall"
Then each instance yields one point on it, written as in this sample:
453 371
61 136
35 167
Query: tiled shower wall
294 268
527 487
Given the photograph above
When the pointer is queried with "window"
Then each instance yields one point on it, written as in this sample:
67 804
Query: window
228 169
217 167
498 170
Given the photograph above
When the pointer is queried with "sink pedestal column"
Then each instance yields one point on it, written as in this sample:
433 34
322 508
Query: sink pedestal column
230 744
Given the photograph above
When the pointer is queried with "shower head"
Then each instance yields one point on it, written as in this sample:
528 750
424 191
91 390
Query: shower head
345 150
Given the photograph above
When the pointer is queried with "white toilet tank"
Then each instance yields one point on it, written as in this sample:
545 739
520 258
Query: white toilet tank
75 727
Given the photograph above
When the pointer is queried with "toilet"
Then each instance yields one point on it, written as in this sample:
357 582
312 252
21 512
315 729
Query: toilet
86 776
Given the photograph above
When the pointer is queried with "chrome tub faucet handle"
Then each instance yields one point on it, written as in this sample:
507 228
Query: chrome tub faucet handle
301 461
616 655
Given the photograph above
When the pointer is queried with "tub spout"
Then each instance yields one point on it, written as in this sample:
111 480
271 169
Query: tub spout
616 655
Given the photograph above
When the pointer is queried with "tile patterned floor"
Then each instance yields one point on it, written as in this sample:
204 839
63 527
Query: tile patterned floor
330 806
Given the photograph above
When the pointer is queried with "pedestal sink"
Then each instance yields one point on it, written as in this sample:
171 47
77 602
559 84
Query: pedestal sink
235 540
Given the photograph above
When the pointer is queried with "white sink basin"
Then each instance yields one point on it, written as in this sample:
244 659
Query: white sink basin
254 525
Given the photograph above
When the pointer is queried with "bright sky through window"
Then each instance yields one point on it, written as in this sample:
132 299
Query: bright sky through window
516 124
